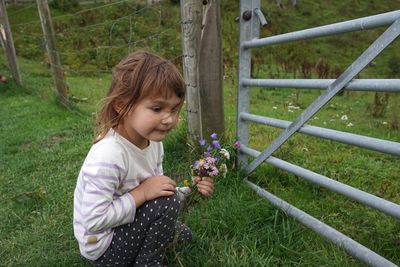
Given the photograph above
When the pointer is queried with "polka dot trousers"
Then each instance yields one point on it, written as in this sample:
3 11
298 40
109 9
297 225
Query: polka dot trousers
143 242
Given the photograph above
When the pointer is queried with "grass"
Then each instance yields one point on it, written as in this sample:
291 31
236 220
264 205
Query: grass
37 178
43 145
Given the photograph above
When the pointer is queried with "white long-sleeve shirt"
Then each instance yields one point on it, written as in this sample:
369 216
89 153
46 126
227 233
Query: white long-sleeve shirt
112 168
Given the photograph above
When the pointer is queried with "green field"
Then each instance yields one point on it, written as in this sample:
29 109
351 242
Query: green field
42 144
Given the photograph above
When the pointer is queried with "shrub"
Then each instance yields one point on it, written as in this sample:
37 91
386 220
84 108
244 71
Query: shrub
64 5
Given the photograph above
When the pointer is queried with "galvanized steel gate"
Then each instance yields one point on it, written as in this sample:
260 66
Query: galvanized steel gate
250 20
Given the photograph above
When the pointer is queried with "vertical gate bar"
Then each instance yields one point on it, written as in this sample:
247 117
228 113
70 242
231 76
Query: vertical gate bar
359 64
243 101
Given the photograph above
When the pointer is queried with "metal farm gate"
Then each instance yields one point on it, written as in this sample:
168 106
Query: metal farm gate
251 18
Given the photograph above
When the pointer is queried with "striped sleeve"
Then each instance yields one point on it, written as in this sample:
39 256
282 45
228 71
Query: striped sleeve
100 208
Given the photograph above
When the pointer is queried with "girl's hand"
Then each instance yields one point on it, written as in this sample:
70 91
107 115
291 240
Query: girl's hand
152 188
205 186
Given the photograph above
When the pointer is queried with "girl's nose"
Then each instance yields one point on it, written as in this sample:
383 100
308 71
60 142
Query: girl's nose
168 120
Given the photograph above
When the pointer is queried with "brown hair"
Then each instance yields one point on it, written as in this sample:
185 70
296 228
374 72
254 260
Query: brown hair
140 75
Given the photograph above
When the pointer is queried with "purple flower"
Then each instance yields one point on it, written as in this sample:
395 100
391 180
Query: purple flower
236 144
214 172
214 136
209 148
207 154
202 142
216 144
210 160
196 163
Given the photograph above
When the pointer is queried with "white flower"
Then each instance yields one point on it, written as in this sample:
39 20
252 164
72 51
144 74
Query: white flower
305 149
184 190
223 169
274 107
344 118
384 123
350 125
293 107
224 153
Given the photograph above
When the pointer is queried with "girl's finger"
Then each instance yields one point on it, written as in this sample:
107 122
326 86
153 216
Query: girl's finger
208 179
196 180
206 183
170 187
167 193
205 190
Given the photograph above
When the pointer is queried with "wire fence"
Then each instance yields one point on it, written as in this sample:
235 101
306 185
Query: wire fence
90 42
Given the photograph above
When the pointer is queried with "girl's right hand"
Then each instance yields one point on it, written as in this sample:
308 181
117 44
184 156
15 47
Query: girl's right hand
152 188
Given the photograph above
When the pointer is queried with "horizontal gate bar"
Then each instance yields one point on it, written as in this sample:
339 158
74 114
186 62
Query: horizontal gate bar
376 144
331 29
365 198
376 85
352 247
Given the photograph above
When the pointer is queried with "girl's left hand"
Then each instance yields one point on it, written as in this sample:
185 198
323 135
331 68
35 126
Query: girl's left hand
205 186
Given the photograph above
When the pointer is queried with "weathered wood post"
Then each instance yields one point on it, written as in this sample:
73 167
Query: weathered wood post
191 14
55 64
211 70
8 44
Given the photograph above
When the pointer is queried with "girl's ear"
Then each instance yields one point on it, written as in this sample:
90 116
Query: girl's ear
117 105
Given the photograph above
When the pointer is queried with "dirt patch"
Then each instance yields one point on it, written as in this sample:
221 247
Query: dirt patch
53 139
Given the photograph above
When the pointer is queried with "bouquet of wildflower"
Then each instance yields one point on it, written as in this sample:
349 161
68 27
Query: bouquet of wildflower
213 160
211 163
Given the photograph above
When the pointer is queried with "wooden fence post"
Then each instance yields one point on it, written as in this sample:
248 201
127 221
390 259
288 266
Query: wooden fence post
8 43
55 64
211 70
191 14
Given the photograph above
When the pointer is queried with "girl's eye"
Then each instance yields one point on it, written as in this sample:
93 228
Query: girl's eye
156 109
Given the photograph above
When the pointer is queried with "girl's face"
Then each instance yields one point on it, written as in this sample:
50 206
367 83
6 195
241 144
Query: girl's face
151 119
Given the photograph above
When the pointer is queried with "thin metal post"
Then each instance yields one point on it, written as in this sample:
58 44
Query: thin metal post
243 102
8 43
249 28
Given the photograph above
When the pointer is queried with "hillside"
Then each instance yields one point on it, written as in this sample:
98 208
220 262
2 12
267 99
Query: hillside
92 39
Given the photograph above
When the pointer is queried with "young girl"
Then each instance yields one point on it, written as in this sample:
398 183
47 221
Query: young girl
125 209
